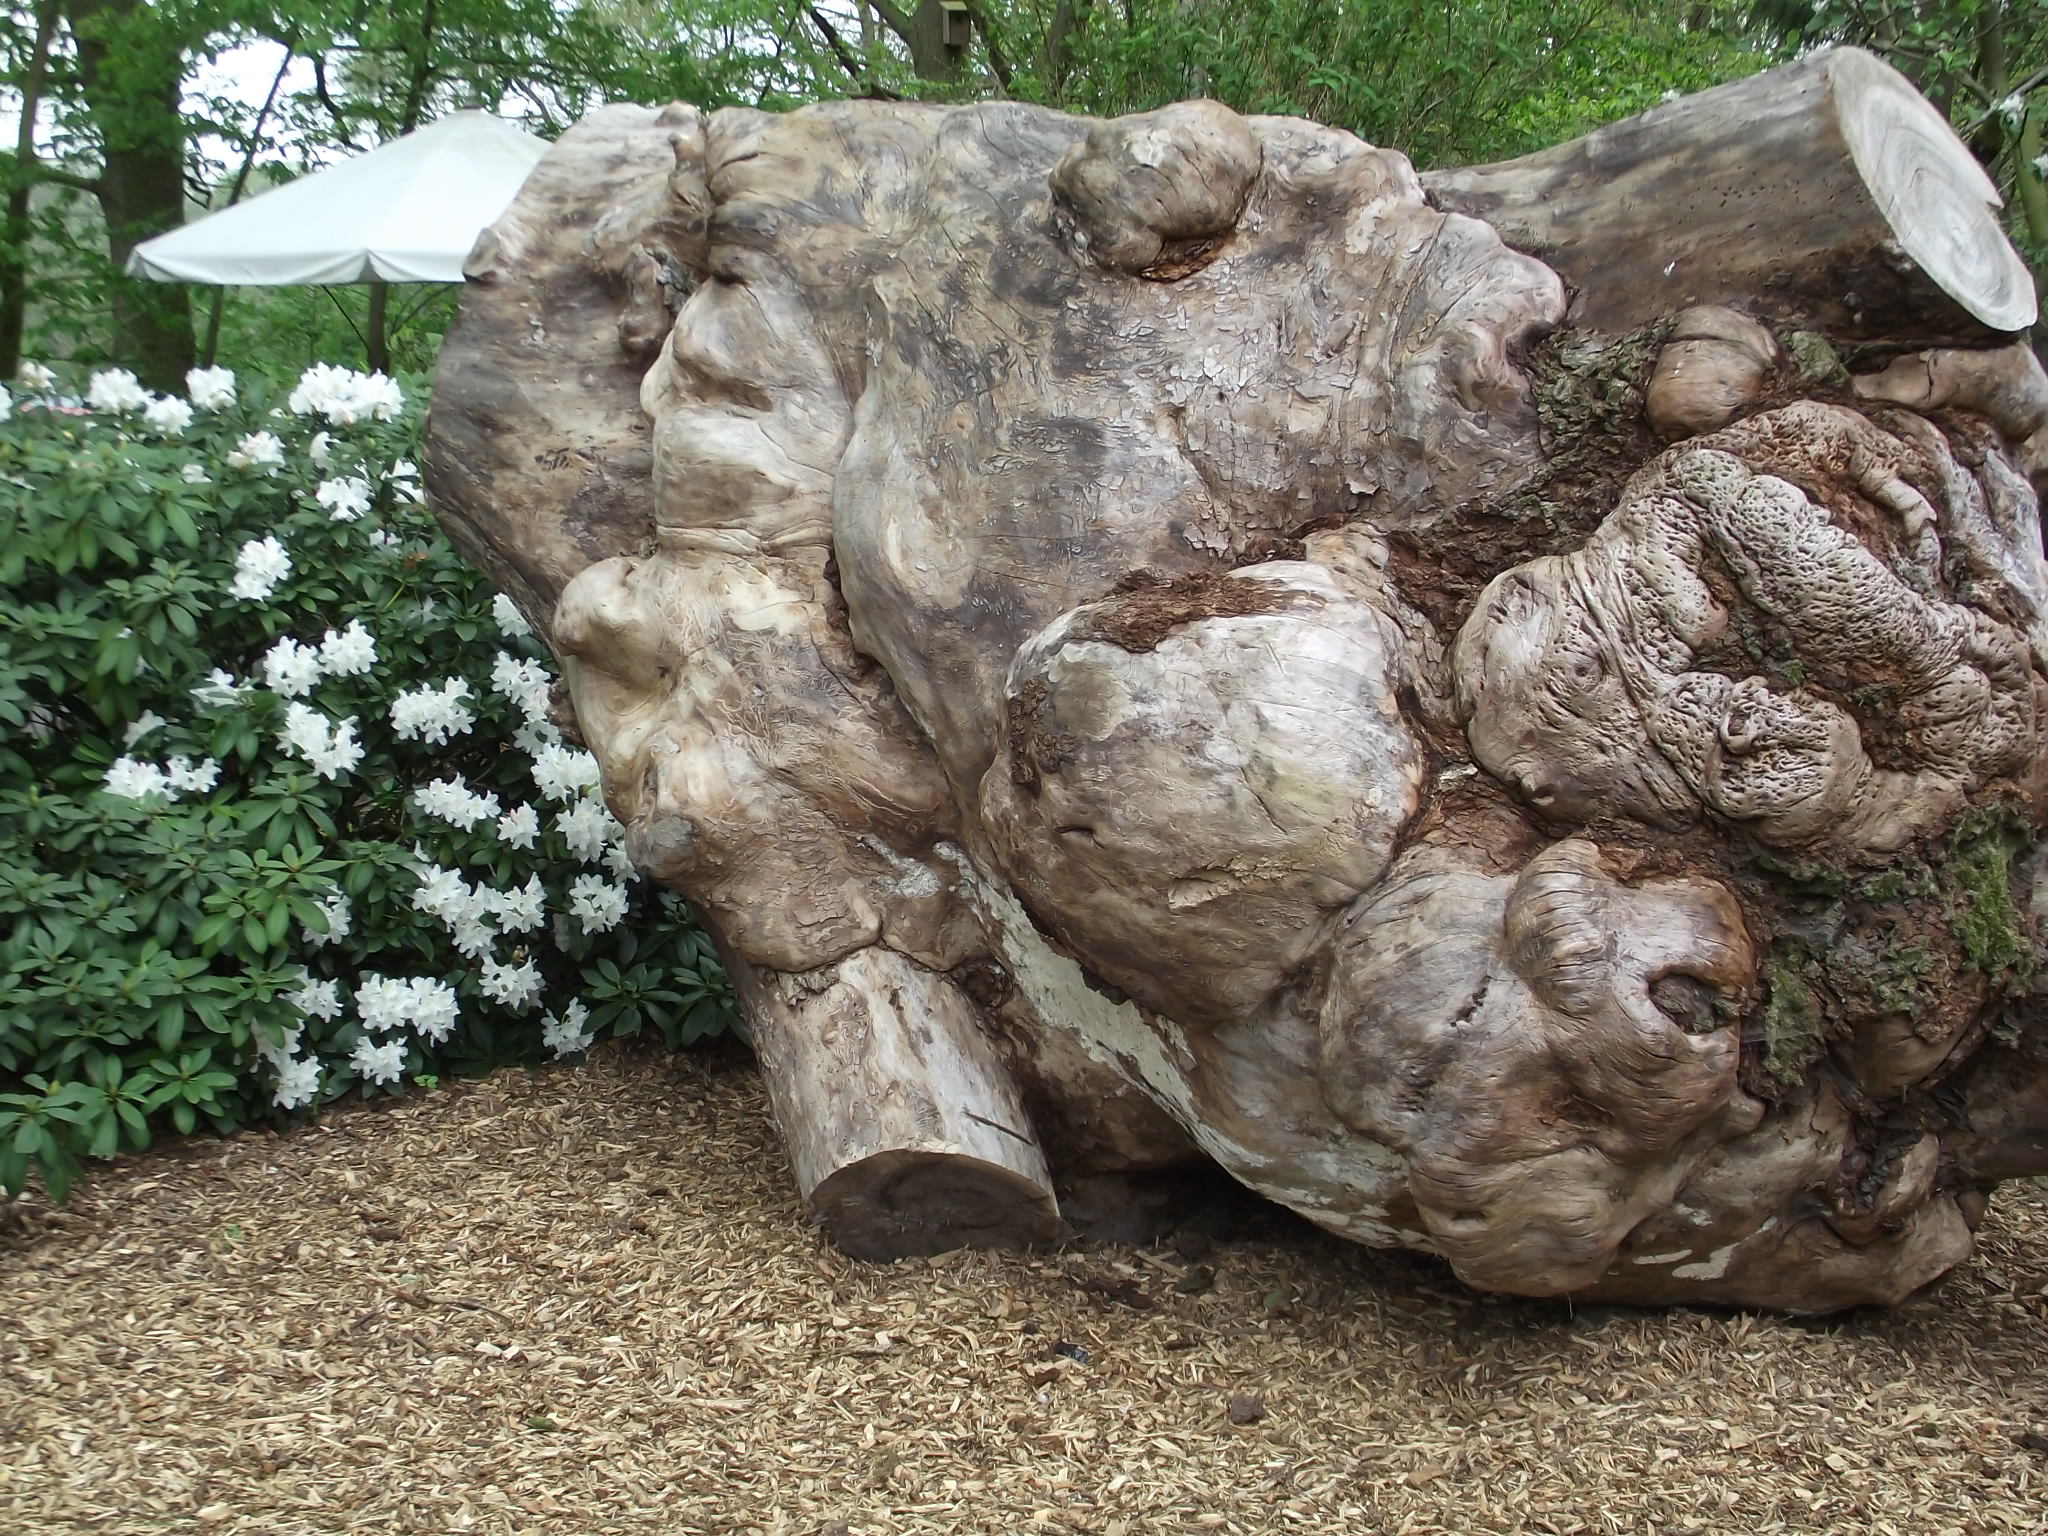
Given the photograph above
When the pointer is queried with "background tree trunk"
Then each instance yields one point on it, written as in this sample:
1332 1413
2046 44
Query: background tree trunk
14 235
923 31
131 66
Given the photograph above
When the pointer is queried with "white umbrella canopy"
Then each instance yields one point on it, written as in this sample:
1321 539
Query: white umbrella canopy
406 212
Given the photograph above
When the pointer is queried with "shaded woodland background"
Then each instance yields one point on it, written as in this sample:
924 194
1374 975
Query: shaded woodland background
128 116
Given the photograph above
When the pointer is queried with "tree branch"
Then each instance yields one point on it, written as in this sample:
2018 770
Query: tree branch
847 61
327 101
35 170
997 64
1069 21
895 20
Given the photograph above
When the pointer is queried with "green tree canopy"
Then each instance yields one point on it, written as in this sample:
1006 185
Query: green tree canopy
117 142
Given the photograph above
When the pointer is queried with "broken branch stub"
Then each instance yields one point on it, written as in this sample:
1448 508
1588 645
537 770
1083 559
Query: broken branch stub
988 554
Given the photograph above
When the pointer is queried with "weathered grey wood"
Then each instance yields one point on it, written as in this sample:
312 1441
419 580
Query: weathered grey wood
1825 193
903 1128
1145 640
535 445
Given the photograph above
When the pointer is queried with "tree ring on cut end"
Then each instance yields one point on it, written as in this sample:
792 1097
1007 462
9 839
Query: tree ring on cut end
1939 203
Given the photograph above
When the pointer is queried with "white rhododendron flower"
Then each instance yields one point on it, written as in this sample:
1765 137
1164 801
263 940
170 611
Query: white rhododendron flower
562 774
345 397
404 479
140 727
259 566
535 737
473 936
620 863
116 390
187 779
379 1063
36 377
340 920
433 715
525 683
259 450
523 910
383 1004
441 892
329 750
167 416
510 620
566 1036
588 827
6 403
220 690
318 999
516 986
289 668
132 780
345 500
348 653
298 1081
428 1006
318 449
193 474
455 802
519 826
135 780
596 903
211 389
434 1009
466 910
277 1055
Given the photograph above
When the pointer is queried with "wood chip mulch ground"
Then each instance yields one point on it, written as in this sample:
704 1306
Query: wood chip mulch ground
587 1302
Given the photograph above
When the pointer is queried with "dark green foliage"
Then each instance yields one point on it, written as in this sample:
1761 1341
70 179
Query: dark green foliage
147 947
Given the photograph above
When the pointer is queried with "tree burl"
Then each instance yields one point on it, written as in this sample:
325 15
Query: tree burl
1505 707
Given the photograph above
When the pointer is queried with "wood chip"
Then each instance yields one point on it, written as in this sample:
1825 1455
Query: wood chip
720 1373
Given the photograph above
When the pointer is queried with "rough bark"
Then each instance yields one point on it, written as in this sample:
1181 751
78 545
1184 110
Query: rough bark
1015 642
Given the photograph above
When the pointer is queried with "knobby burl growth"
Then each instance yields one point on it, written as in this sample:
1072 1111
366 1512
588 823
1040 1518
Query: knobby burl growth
1002 563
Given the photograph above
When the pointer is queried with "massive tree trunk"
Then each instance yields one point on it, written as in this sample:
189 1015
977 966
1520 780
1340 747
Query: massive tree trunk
1177 638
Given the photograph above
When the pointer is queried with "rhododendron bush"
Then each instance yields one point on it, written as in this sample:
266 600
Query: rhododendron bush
282 812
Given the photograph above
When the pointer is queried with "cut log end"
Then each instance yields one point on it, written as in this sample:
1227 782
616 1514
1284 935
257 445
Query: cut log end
1826 194
1941 206
904 1129
905 1202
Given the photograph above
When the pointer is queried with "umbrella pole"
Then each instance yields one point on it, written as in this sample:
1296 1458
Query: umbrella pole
374 345
212 348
